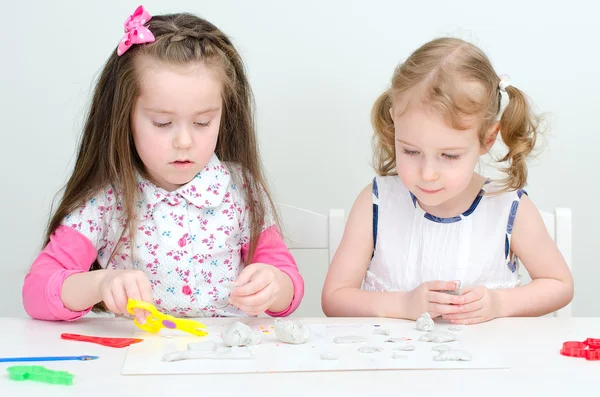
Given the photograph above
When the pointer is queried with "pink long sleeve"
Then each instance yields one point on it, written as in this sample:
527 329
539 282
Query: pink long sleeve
271 249
67 253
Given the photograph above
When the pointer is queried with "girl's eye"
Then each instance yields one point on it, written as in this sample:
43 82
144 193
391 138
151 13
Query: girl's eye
161 125
451 156
203 124
411 152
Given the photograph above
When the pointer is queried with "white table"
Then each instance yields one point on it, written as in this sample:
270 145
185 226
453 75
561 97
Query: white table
539 369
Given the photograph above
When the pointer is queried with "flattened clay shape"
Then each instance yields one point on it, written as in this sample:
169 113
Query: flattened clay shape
381 331
441 348
349 339
395 340
453 355
329 356
405 348
438 337
370 349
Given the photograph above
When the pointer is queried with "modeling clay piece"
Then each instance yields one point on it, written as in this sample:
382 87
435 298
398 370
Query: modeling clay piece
239 334
209 351
229 285
38 373
157 320
438 337
425 323
395 340
293 332
329 356
453 355
441 348
405 348
370 349
349 339
457 291
381 331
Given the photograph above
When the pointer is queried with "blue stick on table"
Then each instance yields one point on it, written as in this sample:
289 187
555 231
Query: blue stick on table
57 358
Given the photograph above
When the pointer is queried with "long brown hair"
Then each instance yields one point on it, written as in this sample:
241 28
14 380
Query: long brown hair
107 154
460 81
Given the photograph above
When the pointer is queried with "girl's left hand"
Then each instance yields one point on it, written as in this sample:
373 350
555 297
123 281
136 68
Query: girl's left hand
480 305
256 288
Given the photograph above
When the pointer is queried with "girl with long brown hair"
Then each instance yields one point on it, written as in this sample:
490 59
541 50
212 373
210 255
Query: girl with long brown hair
167 202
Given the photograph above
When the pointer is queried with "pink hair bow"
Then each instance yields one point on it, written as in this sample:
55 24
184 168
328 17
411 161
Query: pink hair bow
135 31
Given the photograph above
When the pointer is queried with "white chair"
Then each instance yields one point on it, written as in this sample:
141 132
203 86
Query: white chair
303 229
308 235
560 227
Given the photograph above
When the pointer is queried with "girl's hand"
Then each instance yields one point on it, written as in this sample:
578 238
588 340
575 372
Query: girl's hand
256 289
427 298
117 286
480 305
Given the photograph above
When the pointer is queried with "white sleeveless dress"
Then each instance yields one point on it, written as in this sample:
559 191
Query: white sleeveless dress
413 246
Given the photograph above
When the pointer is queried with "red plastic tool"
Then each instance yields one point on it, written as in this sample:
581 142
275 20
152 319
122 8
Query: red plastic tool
110 342
588 349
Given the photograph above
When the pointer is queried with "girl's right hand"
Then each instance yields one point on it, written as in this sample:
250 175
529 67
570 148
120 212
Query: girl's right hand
117 286
427 298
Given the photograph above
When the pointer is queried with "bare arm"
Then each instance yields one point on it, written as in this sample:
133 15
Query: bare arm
551 287
341 294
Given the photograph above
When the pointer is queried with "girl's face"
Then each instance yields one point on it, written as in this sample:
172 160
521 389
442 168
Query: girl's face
176 120
434 161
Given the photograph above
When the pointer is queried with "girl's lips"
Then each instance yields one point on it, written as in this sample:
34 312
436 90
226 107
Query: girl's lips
183 163
430 191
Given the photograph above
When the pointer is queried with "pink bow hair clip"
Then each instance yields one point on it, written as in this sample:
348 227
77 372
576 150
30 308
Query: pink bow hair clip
135 31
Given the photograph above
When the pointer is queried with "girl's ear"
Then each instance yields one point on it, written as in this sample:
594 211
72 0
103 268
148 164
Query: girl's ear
490 137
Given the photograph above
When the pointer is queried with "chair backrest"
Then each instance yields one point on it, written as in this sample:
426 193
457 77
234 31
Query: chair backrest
560 228
303 229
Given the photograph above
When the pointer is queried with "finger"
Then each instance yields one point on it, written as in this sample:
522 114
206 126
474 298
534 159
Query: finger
132 291
245 276
472 296
462 316
258 282
472 320
145 289
258 309
437 285
256 299
446 299
110 304
269 304
444 309
120 298
473 306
